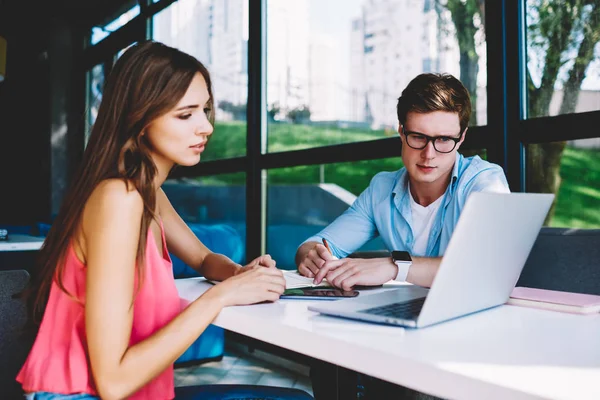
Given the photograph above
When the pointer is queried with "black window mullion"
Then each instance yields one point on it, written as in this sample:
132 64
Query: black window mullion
560 127
505 52
496 94
515 61
134 30
256 131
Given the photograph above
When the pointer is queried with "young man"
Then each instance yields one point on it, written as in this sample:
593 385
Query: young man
415 209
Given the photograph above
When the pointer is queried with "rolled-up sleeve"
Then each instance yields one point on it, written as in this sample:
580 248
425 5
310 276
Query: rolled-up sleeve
352 229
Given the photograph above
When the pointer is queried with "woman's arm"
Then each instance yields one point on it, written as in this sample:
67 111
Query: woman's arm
111 229
182 242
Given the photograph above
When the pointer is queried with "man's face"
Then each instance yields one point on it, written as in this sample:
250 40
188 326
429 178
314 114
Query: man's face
428 166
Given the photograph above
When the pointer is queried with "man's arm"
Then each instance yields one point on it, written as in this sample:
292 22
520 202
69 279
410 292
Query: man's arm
345 234
349 272
423 270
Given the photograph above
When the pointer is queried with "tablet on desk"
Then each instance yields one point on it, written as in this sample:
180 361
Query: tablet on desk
318 294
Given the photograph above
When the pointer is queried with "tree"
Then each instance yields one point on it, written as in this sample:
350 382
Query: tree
299 114
464 15
273 110
562 31
238 111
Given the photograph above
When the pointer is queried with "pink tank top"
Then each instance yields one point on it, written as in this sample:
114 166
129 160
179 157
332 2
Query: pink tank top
58 361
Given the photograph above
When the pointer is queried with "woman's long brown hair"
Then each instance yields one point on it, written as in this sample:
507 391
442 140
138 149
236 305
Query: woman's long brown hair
146 82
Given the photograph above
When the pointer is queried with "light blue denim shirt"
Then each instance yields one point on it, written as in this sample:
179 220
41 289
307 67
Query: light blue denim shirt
383 209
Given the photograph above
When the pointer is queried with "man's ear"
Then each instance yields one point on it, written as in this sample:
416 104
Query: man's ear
462 138
400 129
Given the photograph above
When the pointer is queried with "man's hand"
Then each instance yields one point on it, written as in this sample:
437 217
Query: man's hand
312 256
348 272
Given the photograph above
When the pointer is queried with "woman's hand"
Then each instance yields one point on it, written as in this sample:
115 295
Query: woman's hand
262 261
254 284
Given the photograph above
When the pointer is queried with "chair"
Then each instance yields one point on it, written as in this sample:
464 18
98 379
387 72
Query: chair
564 259
222 239
14 346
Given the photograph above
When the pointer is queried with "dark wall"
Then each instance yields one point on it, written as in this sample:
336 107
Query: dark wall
24 118
38 118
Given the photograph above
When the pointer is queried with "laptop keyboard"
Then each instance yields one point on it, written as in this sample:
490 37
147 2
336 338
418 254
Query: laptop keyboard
404 310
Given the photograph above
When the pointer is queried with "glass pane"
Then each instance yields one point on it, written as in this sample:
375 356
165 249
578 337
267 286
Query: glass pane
303 200
216 33
563 58
100 32
215 209
95 88
571 170
337 79
120 52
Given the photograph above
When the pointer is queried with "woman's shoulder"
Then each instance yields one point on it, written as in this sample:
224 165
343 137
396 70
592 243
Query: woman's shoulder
117 192
114 198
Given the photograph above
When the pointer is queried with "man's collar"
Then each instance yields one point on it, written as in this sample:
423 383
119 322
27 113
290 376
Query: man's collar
455 170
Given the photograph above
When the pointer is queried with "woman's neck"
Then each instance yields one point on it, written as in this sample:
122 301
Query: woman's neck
163 168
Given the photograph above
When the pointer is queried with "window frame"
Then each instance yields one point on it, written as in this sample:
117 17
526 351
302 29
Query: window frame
504 137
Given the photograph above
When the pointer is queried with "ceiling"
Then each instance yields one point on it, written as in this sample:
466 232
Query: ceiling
80 13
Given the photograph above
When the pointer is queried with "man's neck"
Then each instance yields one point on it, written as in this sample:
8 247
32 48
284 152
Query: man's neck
426 193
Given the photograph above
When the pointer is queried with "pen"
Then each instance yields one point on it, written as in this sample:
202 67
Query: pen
327 246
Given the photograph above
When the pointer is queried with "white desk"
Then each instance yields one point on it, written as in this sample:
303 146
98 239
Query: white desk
17 242
504 353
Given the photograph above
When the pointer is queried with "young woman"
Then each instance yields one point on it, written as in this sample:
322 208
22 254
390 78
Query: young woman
112 322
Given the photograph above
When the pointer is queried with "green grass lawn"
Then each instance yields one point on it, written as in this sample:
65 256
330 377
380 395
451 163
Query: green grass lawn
578 200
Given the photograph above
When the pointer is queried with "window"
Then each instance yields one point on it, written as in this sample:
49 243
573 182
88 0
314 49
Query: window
214 207
95 79
101 32
195 26
331 78
571 170
563 58
303 200
335 82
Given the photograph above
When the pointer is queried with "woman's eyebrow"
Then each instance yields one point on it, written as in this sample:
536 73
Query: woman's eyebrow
186 107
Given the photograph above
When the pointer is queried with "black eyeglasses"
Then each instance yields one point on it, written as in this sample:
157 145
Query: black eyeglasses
441 144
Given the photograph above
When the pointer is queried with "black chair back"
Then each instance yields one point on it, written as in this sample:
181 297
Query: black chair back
564 259
14 345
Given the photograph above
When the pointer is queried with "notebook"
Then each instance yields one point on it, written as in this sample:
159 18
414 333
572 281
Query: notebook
293 280
555 300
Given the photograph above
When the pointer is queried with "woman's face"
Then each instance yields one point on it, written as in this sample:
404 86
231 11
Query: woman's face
179 136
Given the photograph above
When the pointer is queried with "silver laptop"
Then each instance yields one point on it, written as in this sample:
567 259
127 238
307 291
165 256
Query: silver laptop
483 261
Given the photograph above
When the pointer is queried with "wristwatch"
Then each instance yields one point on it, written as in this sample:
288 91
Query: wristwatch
403 260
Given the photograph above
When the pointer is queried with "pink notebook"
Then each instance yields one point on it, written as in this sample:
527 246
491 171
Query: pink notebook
576 303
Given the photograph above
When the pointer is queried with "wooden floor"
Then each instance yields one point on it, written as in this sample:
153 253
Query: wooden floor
238 366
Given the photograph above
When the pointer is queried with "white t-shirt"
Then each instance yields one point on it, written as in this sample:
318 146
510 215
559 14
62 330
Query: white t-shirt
422 221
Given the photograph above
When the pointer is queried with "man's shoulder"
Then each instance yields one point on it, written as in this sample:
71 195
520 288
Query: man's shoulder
386 179
476 172
475 164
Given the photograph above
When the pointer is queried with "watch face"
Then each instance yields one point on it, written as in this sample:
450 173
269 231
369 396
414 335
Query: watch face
401 256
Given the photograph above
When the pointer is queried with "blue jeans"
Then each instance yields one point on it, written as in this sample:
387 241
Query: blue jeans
58 396
239 392
204 392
